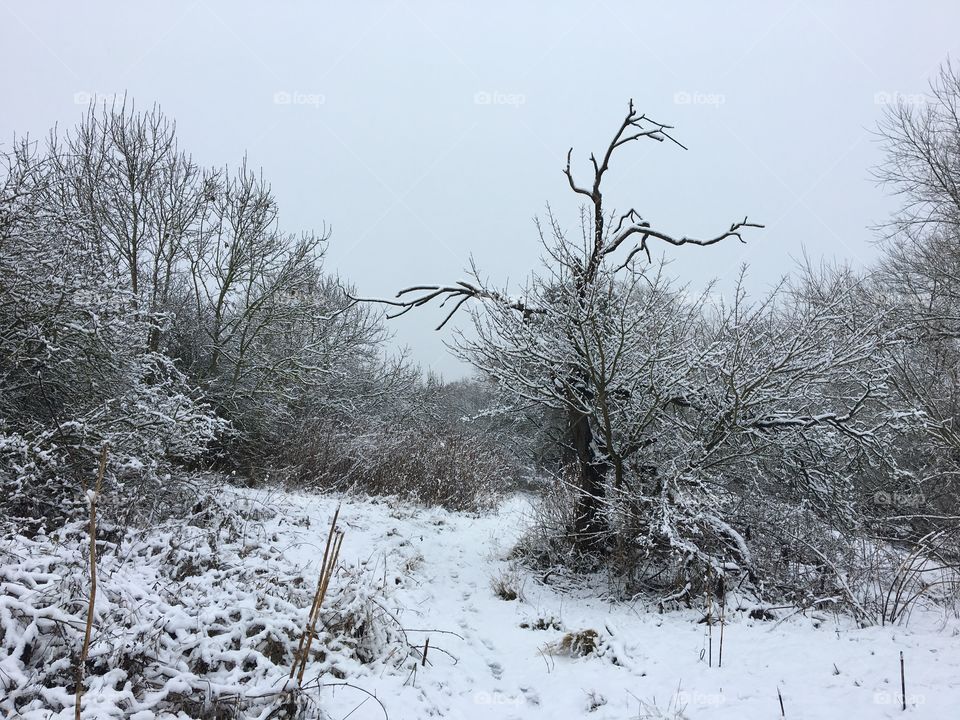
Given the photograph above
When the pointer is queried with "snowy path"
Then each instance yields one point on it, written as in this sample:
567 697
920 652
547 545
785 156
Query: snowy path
485 665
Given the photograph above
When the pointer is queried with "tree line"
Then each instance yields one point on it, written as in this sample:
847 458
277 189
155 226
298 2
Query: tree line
157 306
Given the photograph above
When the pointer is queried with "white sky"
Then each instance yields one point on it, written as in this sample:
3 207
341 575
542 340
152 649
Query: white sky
385 140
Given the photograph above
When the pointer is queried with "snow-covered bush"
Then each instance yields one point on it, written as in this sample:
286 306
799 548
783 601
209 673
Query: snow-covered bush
708 418
201 616
427 443
451 470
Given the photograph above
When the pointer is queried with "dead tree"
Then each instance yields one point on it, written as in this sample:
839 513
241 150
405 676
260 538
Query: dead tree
611 245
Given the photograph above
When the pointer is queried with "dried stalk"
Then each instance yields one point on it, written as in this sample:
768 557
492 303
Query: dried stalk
81 664
331 553
316 596
338 541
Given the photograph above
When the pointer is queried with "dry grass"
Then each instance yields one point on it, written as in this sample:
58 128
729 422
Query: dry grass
508 585
547 622
576 644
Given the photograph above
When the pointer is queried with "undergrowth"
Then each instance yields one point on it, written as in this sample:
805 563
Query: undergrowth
201 616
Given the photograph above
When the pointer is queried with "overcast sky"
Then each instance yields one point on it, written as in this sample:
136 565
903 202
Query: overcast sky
424 132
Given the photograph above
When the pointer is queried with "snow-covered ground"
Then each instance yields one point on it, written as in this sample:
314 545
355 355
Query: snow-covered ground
483 662
199 623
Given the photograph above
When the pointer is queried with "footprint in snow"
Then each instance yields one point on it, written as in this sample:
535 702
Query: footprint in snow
496 669
530 695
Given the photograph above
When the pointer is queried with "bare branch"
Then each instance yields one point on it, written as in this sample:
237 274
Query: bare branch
459 294
646 232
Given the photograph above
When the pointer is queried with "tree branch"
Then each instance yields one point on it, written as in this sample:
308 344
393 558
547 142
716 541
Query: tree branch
459 294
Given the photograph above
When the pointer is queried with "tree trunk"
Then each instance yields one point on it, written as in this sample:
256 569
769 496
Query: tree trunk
588 523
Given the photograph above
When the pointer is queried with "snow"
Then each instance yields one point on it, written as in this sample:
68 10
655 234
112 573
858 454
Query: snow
409 574
824 667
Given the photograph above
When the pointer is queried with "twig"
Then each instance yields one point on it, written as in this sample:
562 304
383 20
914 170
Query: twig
903 683
363 690
723 607
412 677
428 630
709 610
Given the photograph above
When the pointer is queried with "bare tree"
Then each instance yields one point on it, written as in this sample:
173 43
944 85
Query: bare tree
918 278
141 198
262 327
